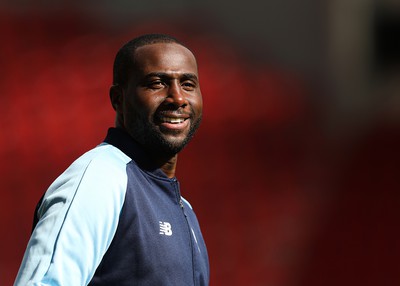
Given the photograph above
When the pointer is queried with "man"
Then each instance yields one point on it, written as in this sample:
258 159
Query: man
116 216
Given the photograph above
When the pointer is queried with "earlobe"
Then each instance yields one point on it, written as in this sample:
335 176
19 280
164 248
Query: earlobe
116 97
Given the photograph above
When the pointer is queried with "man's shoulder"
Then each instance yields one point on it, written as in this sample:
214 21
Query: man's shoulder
101 167
98 163
104 155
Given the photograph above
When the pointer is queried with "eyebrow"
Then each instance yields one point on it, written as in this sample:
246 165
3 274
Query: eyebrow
163 75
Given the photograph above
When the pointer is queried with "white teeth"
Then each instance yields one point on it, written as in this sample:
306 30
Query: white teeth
172 120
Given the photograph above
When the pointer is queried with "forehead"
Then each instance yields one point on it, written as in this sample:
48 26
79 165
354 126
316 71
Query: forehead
164 57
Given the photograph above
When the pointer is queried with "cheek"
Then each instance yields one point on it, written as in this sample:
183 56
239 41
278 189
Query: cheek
197 105
131 112
143 107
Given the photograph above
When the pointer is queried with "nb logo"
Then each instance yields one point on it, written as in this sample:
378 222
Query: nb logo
165 228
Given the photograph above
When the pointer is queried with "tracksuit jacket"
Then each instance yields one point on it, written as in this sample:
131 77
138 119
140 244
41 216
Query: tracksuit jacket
112 219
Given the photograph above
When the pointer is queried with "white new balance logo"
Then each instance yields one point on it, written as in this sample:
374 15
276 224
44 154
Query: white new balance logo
165 228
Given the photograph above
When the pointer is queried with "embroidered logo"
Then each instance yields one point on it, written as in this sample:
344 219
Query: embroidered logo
165 228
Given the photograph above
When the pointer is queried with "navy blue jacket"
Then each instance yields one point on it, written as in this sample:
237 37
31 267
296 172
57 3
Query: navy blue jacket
113 219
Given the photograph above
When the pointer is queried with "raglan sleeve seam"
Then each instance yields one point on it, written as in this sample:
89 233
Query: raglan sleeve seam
77 241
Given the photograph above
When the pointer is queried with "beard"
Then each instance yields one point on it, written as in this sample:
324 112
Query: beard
153 140
172 146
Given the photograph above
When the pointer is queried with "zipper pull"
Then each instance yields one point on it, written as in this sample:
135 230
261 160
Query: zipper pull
182 207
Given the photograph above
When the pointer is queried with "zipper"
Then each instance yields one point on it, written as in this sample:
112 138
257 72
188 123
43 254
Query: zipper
183 209
182 206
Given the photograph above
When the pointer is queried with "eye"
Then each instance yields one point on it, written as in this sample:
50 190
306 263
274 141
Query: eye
188 85
155 84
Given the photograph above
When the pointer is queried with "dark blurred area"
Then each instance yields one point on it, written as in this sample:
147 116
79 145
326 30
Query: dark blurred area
294 174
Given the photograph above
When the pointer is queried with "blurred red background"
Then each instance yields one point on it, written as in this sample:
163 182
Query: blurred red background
282 196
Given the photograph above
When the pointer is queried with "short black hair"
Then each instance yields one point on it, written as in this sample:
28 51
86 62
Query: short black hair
124 61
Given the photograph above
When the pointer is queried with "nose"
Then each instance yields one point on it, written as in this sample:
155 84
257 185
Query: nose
176 95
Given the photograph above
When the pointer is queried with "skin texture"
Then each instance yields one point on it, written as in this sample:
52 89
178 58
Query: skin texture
163 86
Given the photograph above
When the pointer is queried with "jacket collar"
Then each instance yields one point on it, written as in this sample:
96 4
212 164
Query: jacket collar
124 142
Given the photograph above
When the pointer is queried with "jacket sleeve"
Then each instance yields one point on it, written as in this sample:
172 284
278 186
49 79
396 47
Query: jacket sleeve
77 221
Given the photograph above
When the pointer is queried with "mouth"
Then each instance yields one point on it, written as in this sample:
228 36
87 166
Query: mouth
172 120
174 123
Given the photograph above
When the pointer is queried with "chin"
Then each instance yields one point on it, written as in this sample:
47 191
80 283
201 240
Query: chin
172 148
167 143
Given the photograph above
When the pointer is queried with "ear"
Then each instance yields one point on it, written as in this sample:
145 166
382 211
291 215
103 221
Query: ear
116 97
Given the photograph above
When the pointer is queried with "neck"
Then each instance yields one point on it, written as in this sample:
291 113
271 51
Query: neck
168 165
151 160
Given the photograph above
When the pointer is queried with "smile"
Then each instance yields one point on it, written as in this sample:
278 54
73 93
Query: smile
172 120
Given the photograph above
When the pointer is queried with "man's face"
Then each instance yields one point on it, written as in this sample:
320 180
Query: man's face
162 104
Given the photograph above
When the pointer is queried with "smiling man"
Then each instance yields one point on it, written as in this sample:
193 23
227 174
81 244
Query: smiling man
116 215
